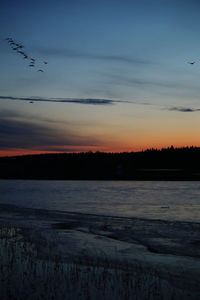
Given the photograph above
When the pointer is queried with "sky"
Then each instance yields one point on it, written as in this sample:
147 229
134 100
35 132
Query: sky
117 75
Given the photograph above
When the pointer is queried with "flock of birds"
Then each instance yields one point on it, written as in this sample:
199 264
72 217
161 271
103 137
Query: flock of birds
19 49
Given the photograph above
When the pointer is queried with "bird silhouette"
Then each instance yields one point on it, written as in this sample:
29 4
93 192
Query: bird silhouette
19 46
15 46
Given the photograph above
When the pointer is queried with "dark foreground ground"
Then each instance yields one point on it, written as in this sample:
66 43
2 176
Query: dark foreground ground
166 250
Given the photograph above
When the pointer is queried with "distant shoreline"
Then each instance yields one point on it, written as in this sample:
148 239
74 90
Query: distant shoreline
171 164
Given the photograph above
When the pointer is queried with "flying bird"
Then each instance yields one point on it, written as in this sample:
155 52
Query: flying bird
18 48
191 63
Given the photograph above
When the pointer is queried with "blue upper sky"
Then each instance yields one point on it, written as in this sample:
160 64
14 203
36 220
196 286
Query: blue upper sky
134 54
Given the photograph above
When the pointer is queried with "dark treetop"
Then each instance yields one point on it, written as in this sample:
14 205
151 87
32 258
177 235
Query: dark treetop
165 164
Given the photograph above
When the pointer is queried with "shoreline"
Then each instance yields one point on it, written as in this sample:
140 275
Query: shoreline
167 246
62 220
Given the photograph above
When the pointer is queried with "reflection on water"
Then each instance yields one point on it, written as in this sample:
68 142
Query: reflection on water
148 199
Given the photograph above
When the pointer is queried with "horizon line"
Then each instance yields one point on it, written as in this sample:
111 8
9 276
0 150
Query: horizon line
171 148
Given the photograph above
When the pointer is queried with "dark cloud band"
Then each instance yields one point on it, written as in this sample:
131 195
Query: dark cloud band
183 109
89 101
24 134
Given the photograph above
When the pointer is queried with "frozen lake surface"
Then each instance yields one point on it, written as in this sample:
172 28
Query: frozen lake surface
76 221
144 199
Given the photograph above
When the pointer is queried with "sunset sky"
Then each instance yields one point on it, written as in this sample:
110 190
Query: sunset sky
117 78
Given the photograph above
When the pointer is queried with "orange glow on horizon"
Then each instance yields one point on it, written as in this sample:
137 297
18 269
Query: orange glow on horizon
78 149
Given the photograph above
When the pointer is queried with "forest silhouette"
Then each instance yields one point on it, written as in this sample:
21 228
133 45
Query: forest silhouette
152 164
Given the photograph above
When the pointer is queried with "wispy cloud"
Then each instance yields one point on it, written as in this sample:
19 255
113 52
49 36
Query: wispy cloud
83 55
19 132
120 79
89 101
9 114
183 109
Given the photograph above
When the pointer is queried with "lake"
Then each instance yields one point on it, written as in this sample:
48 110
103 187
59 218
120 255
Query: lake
144 199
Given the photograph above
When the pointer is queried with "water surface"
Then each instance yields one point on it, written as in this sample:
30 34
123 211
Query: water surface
146 199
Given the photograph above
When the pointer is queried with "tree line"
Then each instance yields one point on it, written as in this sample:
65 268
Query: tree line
152 164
